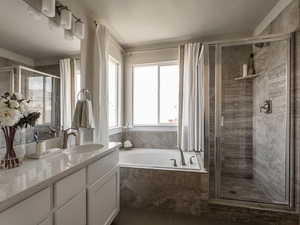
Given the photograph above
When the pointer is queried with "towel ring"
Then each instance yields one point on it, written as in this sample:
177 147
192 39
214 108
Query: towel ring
84 93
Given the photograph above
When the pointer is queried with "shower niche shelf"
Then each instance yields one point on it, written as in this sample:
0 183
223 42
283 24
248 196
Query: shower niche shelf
252 76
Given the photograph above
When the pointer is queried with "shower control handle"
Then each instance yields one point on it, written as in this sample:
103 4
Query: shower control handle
174 162
266 107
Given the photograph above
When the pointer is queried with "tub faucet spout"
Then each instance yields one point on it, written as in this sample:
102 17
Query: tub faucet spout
183 163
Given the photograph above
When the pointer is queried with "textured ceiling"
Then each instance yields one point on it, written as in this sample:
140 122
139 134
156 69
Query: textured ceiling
136 22
29 34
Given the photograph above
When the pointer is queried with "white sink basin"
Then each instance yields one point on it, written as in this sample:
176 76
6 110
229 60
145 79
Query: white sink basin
87 148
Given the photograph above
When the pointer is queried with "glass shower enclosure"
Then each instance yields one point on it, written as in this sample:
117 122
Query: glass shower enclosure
251 105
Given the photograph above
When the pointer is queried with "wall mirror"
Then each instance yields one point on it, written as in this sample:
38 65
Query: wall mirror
30 63
251 151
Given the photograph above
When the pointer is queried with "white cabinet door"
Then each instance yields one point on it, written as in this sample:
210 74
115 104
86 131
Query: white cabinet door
104 199
73 212
31 211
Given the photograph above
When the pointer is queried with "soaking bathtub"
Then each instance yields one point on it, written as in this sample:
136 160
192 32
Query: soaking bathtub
149 180
160 159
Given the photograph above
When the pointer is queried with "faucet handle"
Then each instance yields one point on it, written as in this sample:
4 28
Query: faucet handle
191 159
174 162
71 128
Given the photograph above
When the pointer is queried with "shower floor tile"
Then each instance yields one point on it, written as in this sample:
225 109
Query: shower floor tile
242 189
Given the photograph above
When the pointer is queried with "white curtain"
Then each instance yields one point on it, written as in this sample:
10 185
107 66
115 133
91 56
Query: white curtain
66 89
100 85
190 135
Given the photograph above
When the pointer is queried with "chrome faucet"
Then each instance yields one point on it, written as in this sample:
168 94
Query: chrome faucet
174 162
66 135
183 163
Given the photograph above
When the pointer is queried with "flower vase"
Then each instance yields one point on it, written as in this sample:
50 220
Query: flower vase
10 159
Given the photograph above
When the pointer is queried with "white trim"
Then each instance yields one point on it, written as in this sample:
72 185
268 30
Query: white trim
16 57
142 51
275 11
118 115
153 128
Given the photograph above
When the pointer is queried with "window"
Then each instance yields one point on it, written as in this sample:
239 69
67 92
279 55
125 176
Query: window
39 88
113 75
155 94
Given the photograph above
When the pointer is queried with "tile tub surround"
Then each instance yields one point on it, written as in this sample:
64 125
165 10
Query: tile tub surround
161 159
34 175
152 139
186 193
163 190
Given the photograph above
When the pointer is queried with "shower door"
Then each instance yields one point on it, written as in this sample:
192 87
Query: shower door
252 149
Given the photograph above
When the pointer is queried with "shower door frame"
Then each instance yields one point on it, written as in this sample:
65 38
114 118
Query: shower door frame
289 205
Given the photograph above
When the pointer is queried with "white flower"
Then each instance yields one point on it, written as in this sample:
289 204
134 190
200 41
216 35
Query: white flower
13 104
24 108
9 117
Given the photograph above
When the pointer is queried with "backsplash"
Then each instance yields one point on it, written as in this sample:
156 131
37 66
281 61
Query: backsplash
148 139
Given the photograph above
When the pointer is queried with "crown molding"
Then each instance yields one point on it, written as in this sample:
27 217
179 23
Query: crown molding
272 15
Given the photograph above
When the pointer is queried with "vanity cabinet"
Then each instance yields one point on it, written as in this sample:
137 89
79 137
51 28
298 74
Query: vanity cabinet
103 199
31 211
73 212
87 196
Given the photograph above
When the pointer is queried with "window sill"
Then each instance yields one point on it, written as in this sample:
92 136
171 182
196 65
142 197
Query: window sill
154 128
115 130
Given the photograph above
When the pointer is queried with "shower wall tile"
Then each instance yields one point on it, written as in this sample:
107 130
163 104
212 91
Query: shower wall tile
269 130
236 132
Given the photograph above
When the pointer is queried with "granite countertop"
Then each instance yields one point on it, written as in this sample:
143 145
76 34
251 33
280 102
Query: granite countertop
34 175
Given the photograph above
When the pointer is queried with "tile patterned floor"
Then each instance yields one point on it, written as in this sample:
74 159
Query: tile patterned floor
143 217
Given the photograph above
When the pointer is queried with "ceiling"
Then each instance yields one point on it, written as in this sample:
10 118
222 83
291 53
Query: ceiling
139 22
26 32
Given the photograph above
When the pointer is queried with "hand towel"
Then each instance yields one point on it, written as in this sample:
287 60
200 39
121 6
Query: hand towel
83 115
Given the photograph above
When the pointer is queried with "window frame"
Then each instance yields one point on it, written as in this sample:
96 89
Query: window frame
118 119
158 64
43 118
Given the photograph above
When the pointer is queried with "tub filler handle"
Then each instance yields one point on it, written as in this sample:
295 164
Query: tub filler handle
174 162
191 159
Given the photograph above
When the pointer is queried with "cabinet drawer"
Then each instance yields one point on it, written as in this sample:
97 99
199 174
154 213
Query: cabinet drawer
68 187
102 166
30 211
72 213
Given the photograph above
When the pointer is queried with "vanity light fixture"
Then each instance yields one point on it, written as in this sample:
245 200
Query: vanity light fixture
65 16
66 19
78 28
70 22
48 8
